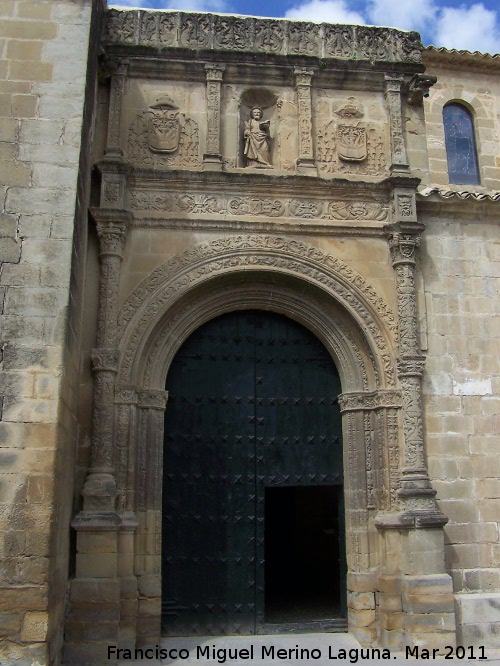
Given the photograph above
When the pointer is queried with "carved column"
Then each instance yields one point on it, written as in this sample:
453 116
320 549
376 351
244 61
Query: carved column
416 493
104 580
99 492
399 161
119 71
306 164
212 159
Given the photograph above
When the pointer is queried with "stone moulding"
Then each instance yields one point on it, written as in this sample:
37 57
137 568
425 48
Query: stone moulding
229 205
240 34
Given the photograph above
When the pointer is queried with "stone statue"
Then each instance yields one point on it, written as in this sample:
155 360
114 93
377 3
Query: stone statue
257 140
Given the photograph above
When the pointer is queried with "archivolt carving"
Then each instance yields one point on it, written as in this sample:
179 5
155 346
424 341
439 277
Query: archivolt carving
257 252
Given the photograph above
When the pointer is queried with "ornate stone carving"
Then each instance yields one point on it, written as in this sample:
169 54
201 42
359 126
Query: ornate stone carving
252 35
214 74
374 43
211 204
304 38
362 401
269 36
257 140
351 110
254 252
346 210
104 359
340 41
303 82
370 499
195 31
367 142
153 399
231 32
393 86
351 143
164 138
113 147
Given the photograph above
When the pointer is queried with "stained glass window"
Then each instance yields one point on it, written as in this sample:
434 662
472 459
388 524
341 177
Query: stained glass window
460 145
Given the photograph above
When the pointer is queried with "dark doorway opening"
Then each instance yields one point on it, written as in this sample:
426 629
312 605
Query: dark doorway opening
304 554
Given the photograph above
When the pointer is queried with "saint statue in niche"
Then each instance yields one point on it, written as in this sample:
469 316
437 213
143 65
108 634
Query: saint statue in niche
257 140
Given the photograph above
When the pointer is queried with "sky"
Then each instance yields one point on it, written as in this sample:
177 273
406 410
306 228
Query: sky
472 26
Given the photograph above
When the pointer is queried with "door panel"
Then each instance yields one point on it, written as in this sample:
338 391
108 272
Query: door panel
252 404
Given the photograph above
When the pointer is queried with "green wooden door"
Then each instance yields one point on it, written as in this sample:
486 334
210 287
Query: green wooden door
252 406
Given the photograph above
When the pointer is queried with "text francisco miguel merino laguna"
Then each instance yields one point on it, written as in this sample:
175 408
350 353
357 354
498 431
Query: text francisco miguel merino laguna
223 655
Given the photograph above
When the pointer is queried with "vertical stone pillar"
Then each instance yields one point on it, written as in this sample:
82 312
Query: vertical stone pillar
416 592
399 161
149 476
95 591
212 159
306 164
118 71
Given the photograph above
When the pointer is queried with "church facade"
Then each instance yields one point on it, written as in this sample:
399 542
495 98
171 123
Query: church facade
250 333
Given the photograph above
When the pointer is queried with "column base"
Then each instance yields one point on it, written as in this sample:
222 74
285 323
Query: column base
212 162
306 166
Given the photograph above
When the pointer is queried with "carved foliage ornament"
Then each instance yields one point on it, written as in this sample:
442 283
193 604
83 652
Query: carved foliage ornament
234 33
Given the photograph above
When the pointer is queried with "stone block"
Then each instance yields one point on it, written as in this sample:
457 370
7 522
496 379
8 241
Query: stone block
25 597
482 579
10 623
8 129
34 629
150 606
391 621
361 618
34 10
104 542
361 600
24 49
478 608
10 250
43 30
24 106
390 603
90 566
90 589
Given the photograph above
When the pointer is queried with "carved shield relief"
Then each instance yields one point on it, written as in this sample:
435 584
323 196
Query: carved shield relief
164 131
351 143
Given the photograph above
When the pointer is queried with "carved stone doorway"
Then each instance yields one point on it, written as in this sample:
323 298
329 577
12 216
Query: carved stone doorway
252 416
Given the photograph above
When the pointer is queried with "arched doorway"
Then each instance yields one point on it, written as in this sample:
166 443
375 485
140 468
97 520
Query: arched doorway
252 488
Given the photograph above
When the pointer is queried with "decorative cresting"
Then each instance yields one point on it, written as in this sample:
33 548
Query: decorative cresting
184 30
393 90
183 272
303 82
100 487
212 159
416 493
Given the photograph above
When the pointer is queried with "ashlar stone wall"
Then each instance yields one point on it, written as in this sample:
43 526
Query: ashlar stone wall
43 73
460 269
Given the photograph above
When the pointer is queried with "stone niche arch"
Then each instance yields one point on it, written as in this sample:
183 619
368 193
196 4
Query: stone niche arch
318 291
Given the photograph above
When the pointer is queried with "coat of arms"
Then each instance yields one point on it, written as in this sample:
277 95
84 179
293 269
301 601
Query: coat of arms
164 126
351 143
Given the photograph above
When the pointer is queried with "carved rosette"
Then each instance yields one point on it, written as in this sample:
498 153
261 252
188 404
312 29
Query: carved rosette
393 86
303 83
213 158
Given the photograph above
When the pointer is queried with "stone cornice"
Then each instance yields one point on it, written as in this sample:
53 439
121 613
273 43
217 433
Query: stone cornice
206 33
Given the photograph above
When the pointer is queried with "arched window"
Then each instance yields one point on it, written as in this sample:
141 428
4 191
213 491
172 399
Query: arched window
460 145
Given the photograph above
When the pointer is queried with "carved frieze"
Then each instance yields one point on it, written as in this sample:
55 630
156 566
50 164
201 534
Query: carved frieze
257 35
351 402
163 137
173 203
